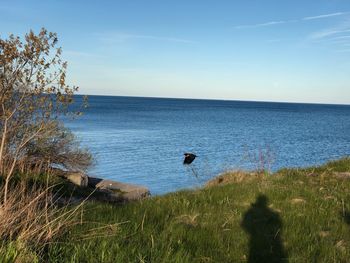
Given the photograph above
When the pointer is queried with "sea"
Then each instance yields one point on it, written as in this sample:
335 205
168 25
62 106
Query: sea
142 140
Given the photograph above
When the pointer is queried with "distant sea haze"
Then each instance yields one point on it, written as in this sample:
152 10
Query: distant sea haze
142 140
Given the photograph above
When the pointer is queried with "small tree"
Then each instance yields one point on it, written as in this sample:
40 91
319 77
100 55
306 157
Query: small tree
33 94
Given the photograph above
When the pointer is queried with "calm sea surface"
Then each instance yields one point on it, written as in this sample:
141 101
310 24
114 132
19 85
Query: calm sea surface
142 140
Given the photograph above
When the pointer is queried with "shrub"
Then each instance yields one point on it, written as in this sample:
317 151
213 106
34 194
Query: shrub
33 94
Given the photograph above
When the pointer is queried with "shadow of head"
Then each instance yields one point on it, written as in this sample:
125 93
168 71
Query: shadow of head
261 201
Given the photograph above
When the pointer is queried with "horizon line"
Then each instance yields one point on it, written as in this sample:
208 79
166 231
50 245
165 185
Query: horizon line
217 99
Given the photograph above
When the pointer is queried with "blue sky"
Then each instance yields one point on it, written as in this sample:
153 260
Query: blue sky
290 50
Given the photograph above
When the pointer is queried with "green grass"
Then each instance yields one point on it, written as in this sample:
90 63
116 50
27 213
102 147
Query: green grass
306 219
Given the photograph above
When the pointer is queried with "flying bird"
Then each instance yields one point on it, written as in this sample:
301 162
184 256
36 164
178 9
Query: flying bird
189 158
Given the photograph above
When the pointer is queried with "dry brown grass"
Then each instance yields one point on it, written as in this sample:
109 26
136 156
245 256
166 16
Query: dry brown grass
233 177
189 220
31 218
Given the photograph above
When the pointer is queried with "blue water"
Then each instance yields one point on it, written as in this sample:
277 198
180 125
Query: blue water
142 140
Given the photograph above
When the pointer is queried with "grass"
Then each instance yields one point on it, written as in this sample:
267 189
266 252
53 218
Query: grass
294 215
30 220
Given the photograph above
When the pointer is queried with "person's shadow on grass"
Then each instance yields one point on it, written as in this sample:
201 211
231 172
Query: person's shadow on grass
264 227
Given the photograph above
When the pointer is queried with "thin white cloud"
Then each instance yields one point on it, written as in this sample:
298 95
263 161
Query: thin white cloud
328 33
334 38
340 38
324 16
271 23
337 41
119 37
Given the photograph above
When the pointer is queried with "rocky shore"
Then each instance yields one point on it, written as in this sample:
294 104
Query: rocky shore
108 190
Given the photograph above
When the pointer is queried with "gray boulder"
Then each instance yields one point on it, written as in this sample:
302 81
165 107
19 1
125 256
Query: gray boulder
119 191
77 178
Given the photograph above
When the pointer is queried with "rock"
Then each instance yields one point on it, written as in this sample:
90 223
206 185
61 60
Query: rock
105 190
119 191
77 178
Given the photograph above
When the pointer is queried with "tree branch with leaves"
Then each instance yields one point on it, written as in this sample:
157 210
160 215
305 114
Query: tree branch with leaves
33 94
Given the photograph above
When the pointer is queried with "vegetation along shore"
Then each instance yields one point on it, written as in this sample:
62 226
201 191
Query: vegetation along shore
289 216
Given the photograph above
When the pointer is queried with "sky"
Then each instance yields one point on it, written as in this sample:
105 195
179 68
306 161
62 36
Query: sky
290 50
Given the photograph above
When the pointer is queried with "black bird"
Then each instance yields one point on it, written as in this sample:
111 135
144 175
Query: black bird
189 158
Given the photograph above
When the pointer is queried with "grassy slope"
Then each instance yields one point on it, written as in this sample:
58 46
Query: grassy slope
307 216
